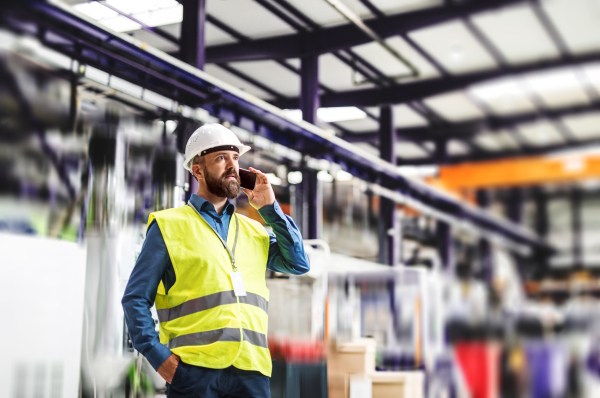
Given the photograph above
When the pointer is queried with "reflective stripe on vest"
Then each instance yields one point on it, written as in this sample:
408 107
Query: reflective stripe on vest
208 302
224 334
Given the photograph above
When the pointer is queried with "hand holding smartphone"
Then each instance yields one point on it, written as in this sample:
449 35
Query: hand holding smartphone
247 179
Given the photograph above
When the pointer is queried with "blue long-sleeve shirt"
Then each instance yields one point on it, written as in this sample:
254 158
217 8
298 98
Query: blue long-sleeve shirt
286 254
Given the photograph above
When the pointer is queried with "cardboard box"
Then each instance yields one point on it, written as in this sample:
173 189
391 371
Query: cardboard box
356 357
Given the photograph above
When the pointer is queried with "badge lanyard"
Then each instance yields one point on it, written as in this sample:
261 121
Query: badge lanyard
236 277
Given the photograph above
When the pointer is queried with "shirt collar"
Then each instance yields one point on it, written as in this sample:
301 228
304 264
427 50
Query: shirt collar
204 205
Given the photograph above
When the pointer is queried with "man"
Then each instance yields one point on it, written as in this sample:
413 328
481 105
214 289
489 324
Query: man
204 267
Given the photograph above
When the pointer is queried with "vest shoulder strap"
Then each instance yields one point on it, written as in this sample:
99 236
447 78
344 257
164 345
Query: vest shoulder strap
252 223
170 215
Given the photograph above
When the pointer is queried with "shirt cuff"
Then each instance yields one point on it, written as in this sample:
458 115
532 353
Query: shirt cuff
271 213
157 355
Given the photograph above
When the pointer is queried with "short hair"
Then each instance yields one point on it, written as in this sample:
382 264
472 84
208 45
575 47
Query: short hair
200 160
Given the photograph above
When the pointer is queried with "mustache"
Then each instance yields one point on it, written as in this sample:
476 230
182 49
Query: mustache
231 172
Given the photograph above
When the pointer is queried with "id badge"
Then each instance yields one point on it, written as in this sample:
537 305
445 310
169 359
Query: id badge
238 283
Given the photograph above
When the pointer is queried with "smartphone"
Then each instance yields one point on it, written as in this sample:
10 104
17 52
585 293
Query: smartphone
248 179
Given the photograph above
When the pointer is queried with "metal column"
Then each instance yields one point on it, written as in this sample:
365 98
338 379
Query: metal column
514 212
541 226
192 51
309 88
514 207
192 48
485 249
388 239
445 246
309 103
443 230
576 227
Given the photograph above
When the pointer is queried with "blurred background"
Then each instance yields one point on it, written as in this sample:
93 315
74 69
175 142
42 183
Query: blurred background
441 157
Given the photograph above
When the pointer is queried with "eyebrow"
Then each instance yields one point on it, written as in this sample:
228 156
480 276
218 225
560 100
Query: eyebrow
226 153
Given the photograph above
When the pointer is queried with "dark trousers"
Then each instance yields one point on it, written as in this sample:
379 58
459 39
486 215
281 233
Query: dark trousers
198 382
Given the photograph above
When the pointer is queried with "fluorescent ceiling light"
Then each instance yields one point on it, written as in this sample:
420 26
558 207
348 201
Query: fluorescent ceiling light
140 6
293 114
419 171
329 115
96 75
340 114
166 16
120 24
295 177
150 12
95 10
557 79
157 99
323 175
342 175
273 179
126 87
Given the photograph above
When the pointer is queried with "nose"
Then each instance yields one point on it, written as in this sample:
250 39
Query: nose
231 162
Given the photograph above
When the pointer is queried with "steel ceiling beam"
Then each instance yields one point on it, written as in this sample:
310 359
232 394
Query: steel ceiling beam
426 88
470 129
335 38
280 97
120 55
529 151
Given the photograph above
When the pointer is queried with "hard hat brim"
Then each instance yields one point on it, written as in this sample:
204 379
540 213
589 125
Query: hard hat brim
187 164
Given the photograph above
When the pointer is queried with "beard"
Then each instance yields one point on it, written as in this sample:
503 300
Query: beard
222 187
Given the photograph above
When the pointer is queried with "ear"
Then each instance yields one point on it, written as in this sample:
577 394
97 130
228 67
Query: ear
197 171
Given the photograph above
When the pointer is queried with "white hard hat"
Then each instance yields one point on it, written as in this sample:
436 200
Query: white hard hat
210 138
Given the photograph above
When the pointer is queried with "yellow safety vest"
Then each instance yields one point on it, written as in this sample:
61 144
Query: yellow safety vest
201 319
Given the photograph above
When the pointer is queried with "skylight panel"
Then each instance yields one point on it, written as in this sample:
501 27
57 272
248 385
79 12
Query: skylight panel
488 142
360 126
390 65
542 133
584 126
454 106
497 140
398 6
503 96
141 6
120 24
271 74
96 10
577 23
457 148
235 81
409 150
335 74
387 63
517 33
558 88
248 17
404 116
454 47
323 13
592 74
161 17
150 12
